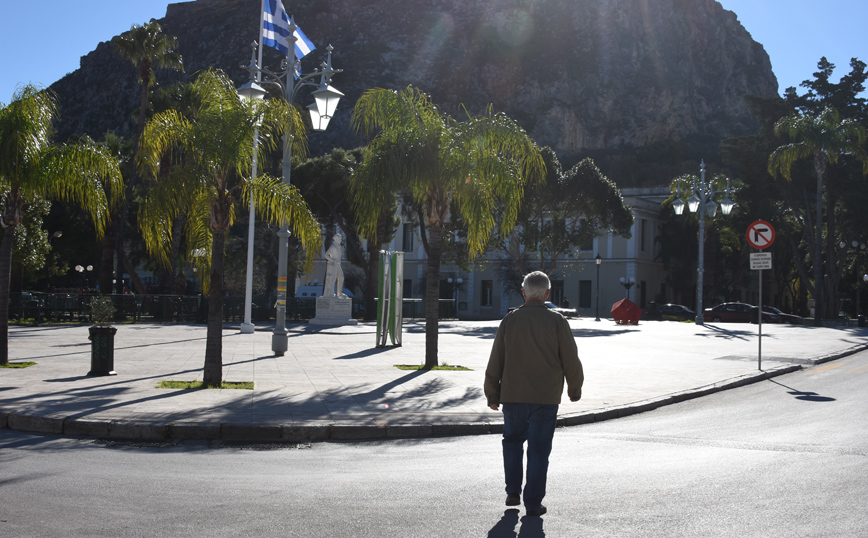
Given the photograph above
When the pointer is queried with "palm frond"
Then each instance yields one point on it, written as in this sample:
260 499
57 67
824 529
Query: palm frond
83 173
278 202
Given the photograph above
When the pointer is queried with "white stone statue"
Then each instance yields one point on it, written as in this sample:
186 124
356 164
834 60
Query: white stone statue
334 274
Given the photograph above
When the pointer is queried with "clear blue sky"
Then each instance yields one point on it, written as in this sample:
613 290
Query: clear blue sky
795 33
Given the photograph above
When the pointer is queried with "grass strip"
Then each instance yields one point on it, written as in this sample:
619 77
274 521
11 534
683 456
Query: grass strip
192 385
17 364
444 367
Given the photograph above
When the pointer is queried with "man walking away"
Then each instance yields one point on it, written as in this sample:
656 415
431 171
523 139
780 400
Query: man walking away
533 352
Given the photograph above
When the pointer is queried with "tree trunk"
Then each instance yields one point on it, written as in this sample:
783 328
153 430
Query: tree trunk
134 174
213 372
372 272
819 302
136 283
833 267
432 294
107 258
5 271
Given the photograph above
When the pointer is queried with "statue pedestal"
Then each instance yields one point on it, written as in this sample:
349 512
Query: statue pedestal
333 311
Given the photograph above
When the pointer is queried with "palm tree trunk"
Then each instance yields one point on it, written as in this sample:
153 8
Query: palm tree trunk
5 272
819 302
432 294
107 258
213 373
833 269
371 278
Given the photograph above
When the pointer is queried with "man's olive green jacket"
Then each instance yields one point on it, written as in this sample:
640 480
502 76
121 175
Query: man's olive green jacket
533 352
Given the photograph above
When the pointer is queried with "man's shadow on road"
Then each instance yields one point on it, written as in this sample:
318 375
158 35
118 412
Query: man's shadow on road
531 527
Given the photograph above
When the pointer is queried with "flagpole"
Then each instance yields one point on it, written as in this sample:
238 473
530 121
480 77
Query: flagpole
261 32
248 327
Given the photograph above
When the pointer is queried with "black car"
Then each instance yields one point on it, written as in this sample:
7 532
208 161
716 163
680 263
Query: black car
672 312
792 319
570 313
739 313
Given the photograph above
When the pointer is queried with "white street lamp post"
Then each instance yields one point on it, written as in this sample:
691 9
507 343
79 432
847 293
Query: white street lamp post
702 201
251 91
456 284
599 261
326 102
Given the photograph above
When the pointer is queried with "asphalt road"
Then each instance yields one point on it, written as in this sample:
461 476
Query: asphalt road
784 457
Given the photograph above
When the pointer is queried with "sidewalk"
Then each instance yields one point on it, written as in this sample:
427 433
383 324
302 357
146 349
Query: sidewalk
333 383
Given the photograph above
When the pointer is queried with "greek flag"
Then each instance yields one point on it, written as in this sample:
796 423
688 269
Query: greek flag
275 24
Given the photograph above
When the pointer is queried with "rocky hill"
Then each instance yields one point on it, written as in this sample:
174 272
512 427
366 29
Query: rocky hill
646 88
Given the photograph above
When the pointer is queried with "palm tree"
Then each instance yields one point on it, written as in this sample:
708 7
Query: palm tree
30 166
121 150
480 166
212 155
148 48
824 138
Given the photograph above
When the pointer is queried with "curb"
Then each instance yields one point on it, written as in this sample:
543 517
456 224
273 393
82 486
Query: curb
588 417
286 433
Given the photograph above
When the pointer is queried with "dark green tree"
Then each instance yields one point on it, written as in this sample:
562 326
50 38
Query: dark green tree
31 167
559 216
824 139
149 49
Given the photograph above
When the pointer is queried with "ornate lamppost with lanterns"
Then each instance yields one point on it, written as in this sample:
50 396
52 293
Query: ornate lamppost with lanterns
289 81
702 202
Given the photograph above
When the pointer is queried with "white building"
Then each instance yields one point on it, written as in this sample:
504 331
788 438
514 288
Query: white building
480 294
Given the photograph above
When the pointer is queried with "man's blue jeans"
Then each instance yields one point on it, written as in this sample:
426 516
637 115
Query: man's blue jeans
534 423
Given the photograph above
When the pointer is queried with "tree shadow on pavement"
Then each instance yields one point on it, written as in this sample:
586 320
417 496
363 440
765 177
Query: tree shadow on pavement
729 334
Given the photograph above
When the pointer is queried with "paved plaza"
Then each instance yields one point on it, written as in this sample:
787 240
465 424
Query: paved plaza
334 383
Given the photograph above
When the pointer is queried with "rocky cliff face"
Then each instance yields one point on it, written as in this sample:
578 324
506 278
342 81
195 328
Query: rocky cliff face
639 85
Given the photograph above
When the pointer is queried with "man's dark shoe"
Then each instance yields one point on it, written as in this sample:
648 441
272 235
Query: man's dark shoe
538 512
513 499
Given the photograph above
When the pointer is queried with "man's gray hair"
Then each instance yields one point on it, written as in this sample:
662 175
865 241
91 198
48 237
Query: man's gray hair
535 285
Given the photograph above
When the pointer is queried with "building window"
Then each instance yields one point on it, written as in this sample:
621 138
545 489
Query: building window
487 292
557 294
408 288
584 294
408 238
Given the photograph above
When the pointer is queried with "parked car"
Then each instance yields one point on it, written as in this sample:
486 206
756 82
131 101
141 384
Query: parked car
737 313
792 319
565 312
673 312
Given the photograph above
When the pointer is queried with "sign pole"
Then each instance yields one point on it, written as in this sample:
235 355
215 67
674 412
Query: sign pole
759 355
760 235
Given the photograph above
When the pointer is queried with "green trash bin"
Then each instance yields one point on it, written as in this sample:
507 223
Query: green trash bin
102 350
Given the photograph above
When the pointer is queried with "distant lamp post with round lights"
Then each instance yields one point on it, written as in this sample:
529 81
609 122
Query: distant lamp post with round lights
858 293
628 283
857 246
598 261
326 98
702 202
81 271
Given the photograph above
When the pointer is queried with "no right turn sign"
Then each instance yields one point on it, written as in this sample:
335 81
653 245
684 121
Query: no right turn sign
760 234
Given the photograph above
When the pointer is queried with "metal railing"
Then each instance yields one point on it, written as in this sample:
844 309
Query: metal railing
36 307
